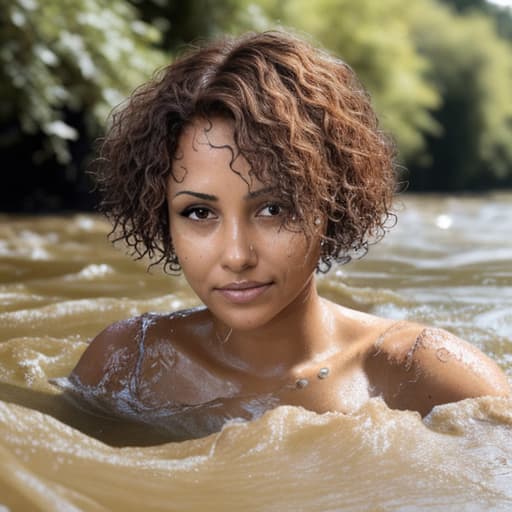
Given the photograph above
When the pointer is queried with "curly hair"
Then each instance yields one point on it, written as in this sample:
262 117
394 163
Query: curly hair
302 120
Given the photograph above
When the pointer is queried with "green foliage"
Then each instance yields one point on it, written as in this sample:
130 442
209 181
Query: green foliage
439 71
66 56
472 69
465 5
502 15
183 22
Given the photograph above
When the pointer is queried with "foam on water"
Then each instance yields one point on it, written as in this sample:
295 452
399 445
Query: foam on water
376 459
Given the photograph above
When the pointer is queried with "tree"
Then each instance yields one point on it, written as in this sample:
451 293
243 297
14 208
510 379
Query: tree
63 65
62 56
184 22
501 15
472 69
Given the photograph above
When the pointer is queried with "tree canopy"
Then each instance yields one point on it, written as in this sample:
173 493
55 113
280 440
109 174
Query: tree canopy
439 71
471 67
63 56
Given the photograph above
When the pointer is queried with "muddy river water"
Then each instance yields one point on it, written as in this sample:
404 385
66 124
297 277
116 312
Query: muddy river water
448 263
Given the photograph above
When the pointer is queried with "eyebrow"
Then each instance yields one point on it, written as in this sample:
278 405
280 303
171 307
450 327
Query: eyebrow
200 195
209 197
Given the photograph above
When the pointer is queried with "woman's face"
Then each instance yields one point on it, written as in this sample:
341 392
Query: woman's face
228 233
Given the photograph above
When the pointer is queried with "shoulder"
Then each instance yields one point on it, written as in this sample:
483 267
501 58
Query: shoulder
112 355
109 352
417 367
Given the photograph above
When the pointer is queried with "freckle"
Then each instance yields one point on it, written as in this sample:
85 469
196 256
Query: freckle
443 355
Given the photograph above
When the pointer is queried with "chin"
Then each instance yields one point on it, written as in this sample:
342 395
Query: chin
240 320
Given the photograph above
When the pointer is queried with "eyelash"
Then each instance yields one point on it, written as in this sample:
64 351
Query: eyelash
273 203
187 212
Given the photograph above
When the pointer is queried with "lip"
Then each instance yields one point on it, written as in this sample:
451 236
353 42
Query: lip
242 292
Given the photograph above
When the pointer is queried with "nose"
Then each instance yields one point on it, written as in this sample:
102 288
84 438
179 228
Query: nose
238 252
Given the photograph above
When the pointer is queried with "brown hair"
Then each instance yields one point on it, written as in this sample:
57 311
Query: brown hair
301 118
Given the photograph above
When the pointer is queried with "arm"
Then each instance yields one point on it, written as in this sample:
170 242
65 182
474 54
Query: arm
429 366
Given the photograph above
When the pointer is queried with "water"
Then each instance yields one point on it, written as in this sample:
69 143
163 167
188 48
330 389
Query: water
448 263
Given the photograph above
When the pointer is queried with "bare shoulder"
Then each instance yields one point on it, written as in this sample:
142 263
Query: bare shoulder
110 358
417 367
108 355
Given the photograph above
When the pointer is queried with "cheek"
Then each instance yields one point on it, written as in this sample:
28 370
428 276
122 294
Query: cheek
296 257
191 257
302 252
192 254
283 243
194 269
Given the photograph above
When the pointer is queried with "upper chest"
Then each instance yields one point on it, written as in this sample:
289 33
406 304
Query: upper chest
186 372
342 391
171 375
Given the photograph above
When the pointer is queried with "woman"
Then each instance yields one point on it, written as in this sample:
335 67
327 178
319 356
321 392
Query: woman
250 164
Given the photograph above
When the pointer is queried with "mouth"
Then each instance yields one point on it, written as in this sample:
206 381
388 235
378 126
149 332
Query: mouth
242 292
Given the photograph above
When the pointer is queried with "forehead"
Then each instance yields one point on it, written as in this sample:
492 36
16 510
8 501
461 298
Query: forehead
206 149
211 132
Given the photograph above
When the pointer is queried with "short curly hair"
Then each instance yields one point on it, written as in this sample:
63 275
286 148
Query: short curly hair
301 119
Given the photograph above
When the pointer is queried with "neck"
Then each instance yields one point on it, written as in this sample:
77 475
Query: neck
299 335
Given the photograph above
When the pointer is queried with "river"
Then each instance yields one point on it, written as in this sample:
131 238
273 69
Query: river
448 262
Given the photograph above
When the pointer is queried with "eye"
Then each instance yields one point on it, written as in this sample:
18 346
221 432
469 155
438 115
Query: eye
198 213
271 210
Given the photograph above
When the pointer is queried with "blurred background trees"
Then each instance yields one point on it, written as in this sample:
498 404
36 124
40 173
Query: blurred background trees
63 65
440 74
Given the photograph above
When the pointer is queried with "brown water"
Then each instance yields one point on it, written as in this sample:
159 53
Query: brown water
448 263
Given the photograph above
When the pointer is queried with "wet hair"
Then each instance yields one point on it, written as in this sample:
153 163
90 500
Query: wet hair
302 120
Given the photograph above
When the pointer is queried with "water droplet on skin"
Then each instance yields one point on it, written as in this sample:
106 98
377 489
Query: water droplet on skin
443 355
301 383
323 373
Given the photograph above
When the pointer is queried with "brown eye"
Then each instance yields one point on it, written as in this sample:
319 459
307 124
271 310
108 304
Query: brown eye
202 213
198 213
271 210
